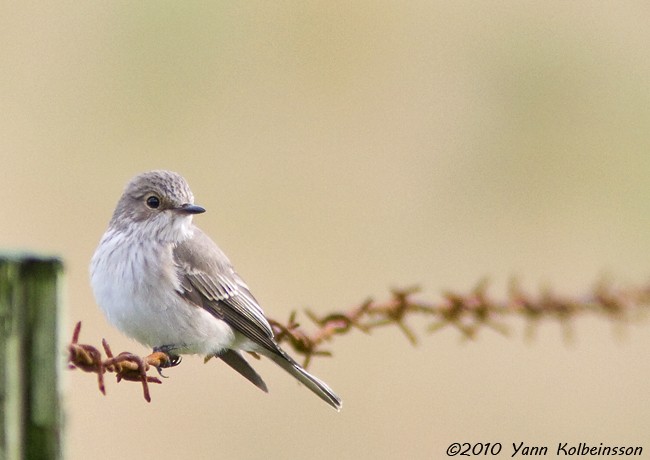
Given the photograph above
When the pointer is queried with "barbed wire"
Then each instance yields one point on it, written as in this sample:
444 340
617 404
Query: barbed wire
467 313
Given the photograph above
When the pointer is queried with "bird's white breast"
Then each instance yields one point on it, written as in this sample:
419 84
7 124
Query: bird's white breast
136 285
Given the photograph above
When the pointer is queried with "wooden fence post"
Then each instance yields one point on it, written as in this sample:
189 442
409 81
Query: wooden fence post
30 357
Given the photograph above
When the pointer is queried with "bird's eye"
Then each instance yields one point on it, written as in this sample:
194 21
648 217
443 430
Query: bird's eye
153 202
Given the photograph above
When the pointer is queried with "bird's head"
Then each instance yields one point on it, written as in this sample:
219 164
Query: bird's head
157 205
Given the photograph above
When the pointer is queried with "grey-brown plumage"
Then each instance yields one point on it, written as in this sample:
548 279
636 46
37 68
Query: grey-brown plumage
211 283
164 282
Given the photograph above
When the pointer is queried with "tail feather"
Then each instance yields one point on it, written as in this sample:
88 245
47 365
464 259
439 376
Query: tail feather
238 363
316 385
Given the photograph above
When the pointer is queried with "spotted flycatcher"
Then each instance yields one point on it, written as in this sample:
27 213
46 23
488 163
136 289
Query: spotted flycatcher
162 281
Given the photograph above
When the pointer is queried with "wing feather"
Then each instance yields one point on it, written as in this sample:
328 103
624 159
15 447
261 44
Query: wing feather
208 280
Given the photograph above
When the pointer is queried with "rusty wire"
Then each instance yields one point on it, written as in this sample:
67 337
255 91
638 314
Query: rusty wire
467 313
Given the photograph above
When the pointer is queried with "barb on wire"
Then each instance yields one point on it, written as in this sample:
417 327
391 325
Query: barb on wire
126 366
467 313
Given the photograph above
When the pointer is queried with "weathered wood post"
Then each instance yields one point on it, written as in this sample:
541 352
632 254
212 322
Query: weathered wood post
30 357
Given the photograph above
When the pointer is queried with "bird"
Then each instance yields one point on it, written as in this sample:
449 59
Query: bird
162 281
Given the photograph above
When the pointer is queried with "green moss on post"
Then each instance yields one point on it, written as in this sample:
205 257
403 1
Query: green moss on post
30 360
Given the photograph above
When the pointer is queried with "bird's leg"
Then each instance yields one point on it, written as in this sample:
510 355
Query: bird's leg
164 357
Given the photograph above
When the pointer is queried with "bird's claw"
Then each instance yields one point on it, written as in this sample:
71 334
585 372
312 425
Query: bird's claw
161 359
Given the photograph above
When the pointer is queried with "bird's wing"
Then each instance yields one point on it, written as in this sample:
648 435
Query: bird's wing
208 280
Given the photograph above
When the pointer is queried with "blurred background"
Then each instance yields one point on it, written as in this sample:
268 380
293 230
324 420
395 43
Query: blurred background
342 149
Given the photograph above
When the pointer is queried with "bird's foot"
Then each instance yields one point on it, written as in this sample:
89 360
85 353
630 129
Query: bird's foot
162 358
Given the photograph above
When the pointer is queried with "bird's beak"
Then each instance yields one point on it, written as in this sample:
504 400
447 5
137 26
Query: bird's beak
188 208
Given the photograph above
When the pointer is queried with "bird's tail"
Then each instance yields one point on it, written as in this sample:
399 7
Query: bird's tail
319 387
